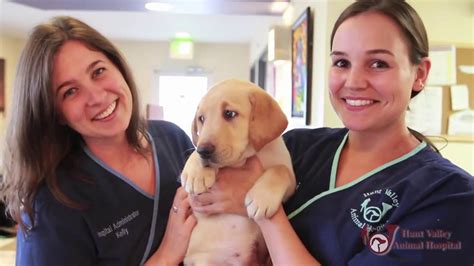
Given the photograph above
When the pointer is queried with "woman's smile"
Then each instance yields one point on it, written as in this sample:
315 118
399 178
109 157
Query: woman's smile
108 112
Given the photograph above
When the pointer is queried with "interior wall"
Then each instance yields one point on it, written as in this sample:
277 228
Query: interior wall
10 49
218 61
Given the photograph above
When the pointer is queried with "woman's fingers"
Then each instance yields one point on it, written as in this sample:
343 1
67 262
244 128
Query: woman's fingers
190 222
181 194
181 205
217 207
203 199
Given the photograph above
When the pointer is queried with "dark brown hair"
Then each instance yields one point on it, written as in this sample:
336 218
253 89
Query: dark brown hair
36 142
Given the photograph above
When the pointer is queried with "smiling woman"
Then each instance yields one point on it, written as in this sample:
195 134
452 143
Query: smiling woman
360 185
87 179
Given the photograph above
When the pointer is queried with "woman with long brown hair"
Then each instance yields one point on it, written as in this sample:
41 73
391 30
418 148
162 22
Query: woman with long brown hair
87 179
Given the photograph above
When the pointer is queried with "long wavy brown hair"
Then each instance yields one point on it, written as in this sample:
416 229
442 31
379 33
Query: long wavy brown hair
36 142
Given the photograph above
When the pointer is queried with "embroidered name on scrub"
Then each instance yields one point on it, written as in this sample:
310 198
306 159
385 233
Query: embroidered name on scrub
117 226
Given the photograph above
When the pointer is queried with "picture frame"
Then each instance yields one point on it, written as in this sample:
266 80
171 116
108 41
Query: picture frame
2 85
301 66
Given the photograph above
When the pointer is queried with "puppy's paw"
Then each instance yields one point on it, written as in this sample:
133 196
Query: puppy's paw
262 203
197 180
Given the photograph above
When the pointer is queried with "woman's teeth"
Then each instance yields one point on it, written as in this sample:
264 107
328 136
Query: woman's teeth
107 111
359 102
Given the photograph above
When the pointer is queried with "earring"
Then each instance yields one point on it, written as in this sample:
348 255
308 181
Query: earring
421 85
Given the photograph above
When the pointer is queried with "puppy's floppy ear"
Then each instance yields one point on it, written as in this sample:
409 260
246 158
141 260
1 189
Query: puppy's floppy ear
267 120
194 129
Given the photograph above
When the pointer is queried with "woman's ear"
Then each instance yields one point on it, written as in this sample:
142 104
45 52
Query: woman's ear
422 71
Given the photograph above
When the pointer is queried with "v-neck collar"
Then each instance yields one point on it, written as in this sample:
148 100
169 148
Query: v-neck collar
124 178
332 181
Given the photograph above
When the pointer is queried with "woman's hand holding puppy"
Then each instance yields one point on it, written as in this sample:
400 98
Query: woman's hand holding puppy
227 195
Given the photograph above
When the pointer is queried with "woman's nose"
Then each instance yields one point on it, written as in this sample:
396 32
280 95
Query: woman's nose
95 94
356 78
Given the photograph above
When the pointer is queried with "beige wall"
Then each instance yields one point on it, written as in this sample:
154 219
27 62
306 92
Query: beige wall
10 51
447 21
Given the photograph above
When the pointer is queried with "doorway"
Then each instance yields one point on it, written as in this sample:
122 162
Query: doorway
180 95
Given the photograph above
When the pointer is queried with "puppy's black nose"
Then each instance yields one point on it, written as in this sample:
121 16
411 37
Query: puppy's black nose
206 150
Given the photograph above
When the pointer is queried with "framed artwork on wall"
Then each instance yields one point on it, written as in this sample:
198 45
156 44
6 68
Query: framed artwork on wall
2 85
301 66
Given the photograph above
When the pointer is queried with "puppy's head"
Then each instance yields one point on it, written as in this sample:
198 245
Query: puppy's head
234 120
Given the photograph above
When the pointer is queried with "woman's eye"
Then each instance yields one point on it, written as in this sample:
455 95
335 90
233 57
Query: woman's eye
69 92
229 114
201 118
98 72
342 63
379 64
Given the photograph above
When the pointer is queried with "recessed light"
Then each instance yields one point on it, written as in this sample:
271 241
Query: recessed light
161 7
278 7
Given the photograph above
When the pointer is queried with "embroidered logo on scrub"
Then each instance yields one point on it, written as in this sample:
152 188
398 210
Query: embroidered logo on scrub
373 208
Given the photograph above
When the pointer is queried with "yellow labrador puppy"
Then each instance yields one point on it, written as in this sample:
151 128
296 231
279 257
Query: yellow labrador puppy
234 121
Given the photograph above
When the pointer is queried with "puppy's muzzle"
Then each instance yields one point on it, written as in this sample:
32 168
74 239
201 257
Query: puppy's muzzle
206 151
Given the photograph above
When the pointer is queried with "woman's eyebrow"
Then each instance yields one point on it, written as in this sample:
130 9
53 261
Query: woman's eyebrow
337 53
68 82
380 51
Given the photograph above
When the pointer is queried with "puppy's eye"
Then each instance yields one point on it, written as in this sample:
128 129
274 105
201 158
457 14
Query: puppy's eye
201 118
229 114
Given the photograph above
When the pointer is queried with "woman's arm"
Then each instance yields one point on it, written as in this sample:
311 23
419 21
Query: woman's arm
178 232
283 244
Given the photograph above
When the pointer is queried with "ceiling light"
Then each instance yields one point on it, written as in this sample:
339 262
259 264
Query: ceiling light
278 7
160 7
